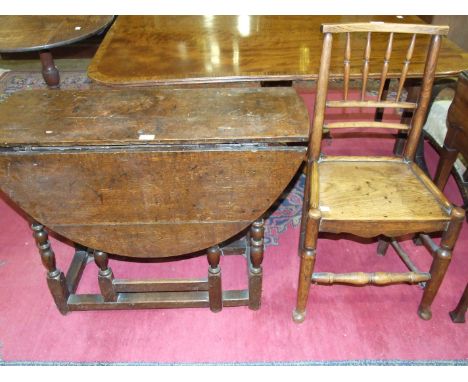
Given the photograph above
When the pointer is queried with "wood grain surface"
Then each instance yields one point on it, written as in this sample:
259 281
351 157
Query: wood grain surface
142 50
153 203
29 33
370 190
149 116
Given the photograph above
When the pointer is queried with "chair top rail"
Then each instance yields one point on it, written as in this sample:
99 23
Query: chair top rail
386 28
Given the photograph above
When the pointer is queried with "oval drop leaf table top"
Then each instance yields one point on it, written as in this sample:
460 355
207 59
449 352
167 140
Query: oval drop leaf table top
166 50
150 172
30 33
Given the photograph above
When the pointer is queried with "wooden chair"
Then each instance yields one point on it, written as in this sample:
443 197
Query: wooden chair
456 141
383 197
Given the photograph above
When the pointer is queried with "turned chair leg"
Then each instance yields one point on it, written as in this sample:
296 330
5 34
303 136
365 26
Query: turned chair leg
441 261
257 232
458 315
215 291
304 211
307 264
382 246
55 278
105 276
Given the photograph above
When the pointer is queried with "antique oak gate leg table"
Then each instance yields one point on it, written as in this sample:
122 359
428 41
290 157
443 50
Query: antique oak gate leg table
150 173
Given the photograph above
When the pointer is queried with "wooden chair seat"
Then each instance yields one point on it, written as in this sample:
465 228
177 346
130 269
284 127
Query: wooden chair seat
381 191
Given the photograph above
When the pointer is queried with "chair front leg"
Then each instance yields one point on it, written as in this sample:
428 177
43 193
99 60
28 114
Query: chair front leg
307 263
441 261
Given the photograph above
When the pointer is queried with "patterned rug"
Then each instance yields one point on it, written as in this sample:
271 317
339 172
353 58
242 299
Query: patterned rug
286 212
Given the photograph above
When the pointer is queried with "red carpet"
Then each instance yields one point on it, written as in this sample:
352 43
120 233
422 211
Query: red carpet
343 323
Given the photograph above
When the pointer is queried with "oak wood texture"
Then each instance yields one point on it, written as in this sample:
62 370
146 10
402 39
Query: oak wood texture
126 199
141 50
372 192
152 116
30 33
382 197
148 203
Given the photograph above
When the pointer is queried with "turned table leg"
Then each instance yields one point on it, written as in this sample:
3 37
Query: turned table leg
49 70
55 278
105 276
215 291
257 231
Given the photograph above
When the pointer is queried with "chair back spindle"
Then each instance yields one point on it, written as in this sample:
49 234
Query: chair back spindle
365 67
347 62
386 63
406 64
419 108
424 98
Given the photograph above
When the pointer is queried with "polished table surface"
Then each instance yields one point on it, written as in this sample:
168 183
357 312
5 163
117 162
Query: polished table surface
158 50
30 33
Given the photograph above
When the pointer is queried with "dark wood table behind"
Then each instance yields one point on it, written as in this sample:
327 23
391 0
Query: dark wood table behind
158 50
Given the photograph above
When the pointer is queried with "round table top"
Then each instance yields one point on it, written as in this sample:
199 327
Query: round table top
30 33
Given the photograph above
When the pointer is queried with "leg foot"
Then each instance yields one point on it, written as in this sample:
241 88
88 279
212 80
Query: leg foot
298 317
305 276
458 315
306 267
425 313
